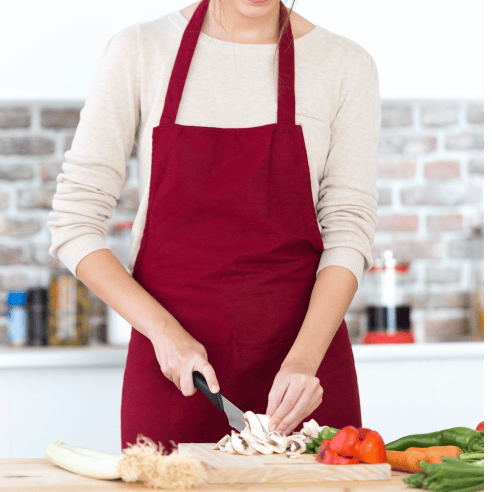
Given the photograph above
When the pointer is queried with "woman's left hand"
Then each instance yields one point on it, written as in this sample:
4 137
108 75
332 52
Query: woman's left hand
295 394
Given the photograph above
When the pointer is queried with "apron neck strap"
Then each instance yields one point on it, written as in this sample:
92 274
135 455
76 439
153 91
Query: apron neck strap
286 77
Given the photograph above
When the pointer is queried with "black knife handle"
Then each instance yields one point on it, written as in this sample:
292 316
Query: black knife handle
200 383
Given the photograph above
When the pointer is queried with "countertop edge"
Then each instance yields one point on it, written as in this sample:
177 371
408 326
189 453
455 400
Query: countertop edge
113 356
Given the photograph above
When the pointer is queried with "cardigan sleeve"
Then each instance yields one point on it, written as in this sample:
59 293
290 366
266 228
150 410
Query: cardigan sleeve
347 197
94 170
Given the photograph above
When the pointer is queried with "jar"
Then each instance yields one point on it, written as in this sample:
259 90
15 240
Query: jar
37 316
68 308
17 317
388 318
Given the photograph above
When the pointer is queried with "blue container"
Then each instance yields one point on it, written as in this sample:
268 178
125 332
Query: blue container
17 317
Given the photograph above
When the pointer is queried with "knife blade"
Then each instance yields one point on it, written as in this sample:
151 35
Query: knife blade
234 415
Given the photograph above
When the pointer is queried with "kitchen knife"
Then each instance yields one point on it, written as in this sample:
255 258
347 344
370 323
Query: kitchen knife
234 415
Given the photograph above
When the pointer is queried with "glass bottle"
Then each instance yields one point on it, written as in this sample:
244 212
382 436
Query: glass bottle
17 318
388 318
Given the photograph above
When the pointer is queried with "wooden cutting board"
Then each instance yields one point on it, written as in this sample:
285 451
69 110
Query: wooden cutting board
224 468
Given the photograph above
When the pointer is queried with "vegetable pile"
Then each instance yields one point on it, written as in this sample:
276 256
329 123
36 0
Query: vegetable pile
348 446
448 460
468 440
452 475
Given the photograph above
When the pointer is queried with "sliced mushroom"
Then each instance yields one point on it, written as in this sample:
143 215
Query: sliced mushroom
276 441
261 448
246 433
255 438
300 435
311 428
240 444
295 446
228 448
264 421
226 438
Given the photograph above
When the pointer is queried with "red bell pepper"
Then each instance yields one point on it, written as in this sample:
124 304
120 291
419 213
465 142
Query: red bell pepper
356 445
480 426
322 450
333 458
371 449
344 442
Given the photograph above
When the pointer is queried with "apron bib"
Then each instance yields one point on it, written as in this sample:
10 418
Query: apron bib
230 248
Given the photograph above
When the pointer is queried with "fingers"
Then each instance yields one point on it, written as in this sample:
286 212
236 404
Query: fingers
289 400
208 372
302 397
304 407
275 398
202 366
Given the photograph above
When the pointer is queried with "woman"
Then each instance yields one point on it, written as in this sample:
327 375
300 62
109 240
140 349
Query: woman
257 213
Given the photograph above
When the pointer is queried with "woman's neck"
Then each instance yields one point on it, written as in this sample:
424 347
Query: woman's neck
224 21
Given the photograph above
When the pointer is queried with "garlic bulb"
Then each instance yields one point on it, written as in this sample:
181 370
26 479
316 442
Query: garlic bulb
256 439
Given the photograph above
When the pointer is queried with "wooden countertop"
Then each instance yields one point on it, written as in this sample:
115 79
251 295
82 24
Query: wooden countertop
40 475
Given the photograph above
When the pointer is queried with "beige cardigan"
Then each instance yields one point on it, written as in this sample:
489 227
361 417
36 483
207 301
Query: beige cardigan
229 85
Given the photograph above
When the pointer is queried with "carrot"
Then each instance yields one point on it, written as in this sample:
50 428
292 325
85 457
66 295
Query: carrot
409 460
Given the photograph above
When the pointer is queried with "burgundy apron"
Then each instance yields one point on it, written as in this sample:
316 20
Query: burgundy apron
230 248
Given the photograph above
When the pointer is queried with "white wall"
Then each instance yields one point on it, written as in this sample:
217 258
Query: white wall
423 48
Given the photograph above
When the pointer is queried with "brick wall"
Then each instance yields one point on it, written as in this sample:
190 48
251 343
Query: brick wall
430 214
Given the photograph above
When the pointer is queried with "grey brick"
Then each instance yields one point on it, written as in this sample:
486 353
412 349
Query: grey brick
474 114
395 115
60 118
26 146
384 196
49 170
464 140
475 165
407 144
17 281
68 142
442 223
39 254
396 170
409 250
13 255
4 200
440 114
19 228
471 249
35 199
14 172
15 117
445 194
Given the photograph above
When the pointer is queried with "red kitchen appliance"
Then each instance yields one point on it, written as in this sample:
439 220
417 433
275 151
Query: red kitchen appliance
388 319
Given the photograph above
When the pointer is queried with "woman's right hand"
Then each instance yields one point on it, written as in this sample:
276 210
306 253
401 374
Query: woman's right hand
179 354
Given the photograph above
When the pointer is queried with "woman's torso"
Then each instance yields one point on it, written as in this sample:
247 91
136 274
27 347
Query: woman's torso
233 85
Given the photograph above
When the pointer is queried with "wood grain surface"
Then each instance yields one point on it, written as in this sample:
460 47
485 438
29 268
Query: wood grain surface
224 468
40 475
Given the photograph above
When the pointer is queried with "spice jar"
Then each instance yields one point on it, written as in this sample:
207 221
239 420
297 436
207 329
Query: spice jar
68 305
37 316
